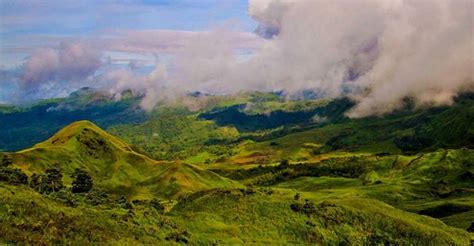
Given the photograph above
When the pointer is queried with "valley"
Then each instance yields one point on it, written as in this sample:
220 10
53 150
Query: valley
296 172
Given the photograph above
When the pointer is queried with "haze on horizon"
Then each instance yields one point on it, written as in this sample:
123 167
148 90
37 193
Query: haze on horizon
376 52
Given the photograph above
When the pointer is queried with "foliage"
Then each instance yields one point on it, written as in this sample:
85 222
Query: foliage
50 181
156 204
83 182
307 207
268 173
370 177
13 175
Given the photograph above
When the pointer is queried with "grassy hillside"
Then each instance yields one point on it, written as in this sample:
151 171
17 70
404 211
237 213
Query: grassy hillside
246 217
115 165
249 169
28 217
21 127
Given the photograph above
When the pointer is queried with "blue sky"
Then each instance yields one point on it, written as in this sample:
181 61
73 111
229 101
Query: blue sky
27 24
49 48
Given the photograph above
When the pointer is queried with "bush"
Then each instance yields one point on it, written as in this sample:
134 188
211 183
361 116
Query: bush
50 181
284 164
83 182
471 228
5 161
13 176
297 196
371 177
65 197
412 143
156 204
97 196
307 207
180 236
297 207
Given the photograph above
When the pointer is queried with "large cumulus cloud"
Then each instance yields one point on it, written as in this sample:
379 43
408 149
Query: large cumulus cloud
55 70
377 52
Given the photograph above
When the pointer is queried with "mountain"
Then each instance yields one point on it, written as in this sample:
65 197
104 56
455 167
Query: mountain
115 165
252 169
23 126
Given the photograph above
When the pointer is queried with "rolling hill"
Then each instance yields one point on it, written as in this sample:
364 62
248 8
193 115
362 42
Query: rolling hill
269 173
114 165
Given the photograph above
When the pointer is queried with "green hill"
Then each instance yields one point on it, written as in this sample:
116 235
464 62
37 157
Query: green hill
114 165
402 179
263 217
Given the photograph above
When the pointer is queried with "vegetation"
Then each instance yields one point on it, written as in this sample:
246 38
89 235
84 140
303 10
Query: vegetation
247 169
82 183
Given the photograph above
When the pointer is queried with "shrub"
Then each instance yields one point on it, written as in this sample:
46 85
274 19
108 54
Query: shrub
65 197
371 177
13 176
180 236
412 143
297 196
97 196
283 164
156 204
297 207
83 182
307 207
471 228
5 161
50 181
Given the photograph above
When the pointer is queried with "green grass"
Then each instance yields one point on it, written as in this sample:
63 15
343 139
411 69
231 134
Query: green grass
233 216
30 218
370 181
115 165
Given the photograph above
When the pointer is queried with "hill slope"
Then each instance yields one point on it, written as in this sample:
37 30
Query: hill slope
114 165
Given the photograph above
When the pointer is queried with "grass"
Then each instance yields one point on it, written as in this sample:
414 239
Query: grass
115 165
234 216
402 179
30 218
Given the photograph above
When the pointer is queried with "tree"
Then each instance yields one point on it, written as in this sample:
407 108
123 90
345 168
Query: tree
284 164
50 181
83 182
13 175
54 178
5 161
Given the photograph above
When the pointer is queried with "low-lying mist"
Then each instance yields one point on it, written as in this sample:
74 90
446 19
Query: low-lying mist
376 52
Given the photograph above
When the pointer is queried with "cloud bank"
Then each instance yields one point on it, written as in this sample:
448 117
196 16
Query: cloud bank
376 52
54 70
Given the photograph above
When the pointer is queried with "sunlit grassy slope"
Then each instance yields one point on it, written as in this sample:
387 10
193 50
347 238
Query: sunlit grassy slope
237 217
403 179
360 199
115 165
30 218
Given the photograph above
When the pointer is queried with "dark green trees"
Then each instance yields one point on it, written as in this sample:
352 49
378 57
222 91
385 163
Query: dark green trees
11 175
284 164
50 181
5 161
83 182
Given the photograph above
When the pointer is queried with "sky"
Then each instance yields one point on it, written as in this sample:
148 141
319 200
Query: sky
378 53
120 32
29 24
